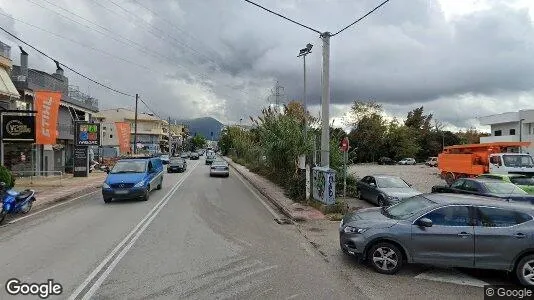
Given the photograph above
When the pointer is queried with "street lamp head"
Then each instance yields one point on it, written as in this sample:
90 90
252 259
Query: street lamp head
309 47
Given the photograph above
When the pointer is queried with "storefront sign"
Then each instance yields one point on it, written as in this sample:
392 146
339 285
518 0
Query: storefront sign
81 162
47 107
18 128
123 134
87 134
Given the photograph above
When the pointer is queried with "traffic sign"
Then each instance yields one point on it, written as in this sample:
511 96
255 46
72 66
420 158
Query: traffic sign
345 144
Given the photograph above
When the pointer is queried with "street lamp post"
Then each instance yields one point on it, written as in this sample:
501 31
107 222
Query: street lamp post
325 102
303 52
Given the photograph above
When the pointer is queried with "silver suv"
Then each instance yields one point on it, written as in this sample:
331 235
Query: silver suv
450 230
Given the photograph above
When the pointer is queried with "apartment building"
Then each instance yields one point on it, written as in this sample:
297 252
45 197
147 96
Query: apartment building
511 127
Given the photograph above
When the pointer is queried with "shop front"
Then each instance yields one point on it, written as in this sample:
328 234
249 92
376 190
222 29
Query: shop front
18 142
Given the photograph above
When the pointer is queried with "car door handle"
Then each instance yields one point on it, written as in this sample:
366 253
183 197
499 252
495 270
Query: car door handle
520 235
463 234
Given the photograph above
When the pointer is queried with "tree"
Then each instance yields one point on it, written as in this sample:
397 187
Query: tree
418 120
198 141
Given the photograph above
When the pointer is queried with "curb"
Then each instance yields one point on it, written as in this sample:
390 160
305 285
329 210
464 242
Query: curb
262 191
67 196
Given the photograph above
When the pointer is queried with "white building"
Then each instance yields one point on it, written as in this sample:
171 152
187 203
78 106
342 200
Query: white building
511 127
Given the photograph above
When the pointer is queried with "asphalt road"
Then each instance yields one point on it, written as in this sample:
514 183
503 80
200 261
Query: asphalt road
197 238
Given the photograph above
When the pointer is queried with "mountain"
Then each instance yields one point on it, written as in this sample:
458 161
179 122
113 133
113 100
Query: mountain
204 126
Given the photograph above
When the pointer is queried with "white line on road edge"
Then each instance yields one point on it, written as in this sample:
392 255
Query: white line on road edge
270 209
136 232
51 207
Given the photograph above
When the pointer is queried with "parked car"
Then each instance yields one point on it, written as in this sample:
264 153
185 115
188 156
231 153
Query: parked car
164 158
219 168
386 161
194 156
407 161
133 178
526 183
210 158
441 229
486 187
432 162
384 190
177 165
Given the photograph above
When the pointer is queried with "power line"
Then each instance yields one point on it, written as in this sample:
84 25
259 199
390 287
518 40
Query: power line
283 17
64 65
361 18
77 42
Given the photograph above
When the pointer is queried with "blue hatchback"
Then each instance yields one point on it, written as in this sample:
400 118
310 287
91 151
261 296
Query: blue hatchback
133 178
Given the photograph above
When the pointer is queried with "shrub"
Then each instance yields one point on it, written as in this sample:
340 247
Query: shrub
296 188
7 177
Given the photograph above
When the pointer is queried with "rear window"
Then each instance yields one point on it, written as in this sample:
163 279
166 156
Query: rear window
499 187
522 180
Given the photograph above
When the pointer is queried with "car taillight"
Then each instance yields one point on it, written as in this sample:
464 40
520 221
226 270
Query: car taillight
226 168
213 168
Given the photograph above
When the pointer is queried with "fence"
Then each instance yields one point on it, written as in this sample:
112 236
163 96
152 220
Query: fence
32 175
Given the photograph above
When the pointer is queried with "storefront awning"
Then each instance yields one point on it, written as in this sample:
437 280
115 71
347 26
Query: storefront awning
7 88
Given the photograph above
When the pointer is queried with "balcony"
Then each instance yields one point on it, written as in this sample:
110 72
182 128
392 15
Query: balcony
5 55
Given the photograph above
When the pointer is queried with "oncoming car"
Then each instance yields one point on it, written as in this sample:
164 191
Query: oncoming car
133 178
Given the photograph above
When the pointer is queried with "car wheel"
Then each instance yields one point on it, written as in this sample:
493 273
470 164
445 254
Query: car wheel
525 270
381 201
147 194
385 258
107 200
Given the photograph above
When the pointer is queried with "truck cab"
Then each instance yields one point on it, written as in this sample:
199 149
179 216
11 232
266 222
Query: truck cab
511 163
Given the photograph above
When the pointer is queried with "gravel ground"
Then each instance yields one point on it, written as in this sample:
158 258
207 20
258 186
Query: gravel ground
420 176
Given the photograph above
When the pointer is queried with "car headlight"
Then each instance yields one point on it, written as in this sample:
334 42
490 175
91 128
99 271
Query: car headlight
140 184
352 229
105 186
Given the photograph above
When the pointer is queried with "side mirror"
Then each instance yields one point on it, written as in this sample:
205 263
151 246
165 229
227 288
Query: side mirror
425 222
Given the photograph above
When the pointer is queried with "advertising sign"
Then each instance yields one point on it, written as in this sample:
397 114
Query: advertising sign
47 106
87 134
81 161
18 128
123 133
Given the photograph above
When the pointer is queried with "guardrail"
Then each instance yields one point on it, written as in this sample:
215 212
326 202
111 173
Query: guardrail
33 175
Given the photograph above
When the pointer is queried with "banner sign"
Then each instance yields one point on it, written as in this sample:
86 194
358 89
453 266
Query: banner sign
18 128
123 133
81 162
87 134
47 106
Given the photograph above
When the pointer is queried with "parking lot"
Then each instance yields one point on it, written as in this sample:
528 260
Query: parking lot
420 176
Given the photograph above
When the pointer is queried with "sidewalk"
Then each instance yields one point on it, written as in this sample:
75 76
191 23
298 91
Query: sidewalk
275 195
53 188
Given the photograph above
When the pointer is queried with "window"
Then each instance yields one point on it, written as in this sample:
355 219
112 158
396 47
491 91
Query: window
391 182
496 160
472 186
498 217
498 133
490 177
111 136
503 188
450 216
512 131
520 180
458 184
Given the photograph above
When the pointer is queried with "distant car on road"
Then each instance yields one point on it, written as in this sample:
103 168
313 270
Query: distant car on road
177 165
384 190
525 183
486 187
194 156
210 158
407 161
184 155
164 158
449 230
219 168
386 161
133 178
432 162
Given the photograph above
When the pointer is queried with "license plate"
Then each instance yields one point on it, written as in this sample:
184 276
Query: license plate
121 192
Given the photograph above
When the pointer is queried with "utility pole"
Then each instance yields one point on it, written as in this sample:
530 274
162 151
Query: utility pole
325 102
169 134
135 125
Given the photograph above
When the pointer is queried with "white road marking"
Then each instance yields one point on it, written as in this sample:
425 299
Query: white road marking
51 207
269 208
136 232
451 276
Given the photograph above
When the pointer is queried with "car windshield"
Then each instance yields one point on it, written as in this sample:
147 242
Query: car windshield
518 161
138 166
522 180
391 182
219 163
407 208
501 188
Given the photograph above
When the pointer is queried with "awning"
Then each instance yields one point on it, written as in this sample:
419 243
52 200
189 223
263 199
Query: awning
7 88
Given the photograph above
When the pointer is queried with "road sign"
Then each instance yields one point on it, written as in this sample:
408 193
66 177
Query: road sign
345 144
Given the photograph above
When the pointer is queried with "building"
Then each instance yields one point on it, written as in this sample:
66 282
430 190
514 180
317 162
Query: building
511 127
74 106
152 132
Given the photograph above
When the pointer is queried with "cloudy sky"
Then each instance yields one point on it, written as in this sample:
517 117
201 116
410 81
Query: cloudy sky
460 59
